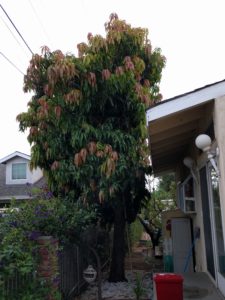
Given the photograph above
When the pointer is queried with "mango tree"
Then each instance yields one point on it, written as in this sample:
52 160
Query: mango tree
87 126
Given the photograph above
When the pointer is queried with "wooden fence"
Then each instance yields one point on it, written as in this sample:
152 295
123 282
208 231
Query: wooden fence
73 260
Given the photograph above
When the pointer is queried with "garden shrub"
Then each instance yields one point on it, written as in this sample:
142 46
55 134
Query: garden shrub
21 225
135 232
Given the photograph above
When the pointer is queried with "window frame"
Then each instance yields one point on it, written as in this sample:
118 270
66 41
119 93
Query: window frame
182 199
16 171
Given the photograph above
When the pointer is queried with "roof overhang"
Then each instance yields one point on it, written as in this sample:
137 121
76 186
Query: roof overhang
13 155
8 199
174 124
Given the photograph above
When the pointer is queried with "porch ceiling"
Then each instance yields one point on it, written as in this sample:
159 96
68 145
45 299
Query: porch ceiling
171 135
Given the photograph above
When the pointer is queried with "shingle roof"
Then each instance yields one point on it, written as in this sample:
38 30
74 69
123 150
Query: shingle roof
20 191
13 155
187 93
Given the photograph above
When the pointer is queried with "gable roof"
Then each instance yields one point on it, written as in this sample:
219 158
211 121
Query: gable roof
17 191
185 101
174 124
5 159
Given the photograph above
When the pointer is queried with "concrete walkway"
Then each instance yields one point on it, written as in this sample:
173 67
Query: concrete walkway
199 286
196 286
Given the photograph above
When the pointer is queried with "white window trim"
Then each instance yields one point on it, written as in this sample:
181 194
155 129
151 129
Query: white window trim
182 200
10 180
19 163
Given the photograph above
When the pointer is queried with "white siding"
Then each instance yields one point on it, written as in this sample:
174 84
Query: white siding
32 176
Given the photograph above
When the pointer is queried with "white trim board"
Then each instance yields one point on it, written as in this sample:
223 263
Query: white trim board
185 101
17 197
12 155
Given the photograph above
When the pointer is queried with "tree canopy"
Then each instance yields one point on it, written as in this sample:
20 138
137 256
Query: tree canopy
86 119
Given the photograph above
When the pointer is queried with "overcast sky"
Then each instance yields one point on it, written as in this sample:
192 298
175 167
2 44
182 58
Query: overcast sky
189 32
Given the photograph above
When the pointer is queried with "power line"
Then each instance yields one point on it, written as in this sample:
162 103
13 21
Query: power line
39 19
6 58
16 29
13 35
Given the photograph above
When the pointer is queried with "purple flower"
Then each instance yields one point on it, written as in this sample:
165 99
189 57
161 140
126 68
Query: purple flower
58 253
33 235
43 214
56 280
49 195
13 224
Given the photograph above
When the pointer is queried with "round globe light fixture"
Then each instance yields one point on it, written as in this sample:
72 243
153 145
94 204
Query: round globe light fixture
203 142
188 162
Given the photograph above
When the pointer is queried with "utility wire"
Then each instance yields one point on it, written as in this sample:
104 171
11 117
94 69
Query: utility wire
13 35
16 29
39 20
6 58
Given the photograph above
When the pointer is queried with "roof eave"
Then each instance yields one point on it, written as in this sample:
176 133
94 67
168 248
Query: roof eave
185 101
12 155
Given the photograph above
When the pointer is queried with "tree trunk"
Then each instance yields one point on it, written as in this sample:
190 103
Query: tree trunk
117 270
155 236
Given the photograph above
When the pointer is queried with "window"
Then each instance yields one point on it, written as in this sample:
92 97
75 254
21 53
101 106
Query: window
189 195
19 171
186 195
218 225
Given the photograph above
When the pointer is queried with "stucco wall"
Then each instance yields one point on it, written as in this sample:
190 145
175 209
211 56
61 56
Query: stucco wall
197 218
219 119
198 222
218 112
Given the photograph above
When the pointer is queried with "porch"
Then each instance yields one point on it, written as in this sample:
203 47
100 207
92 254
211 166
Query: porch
173 126
199 286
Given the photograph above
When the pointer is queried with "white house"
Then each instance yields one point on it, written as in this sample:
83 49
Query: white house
16 178
195 233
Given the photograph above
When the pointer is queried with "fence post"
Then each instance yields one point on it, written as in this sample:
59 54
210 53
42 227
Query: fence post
99 272
78 269
48 266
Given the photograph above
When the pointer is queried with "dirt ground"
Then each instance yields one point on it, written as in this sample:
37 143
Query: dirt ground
139 261
141 258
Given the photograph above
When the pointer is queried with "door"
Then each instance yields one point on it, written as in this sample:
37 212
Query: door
207 222
213 229
182 245
219 253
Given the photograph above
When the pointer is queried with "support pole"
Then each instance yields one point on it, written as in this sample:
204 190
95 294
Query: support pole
99 272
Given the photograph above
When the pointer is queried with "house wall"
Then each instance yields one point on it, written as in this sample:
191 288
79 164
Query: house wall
201 159
217 113
219 120
197 218
213 109
182 172
198 222
32 176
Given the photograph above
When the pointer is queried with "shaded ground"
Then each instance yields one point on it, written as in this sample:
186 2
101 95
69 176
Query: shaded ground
138 263
141 258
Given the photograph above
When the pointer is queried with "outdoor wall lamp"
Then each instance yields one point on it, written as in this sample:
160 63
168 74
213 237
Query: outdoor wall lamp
190 164
204 142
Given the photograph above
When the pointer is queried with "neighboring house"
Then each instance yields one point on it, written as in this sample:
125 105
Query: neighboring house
16 178
194 234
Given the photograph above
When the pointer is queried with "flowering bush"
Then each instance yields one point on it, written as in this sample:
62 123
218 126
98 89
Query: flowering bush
22 225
